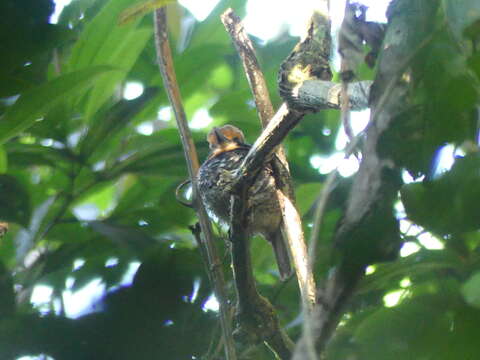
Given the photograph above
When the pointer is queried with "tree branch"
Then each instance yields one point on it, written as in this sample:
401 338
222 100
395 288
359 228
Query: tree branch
277 129
292 225
165 61
258 86
374 190
256 318
252 307
319 95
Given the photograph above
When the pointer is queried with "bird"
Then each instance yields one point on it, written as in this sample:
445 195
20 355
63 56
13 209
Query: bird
227 151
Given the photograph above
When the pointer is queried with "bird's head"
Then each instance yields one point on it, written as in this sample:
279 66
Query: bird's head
225 138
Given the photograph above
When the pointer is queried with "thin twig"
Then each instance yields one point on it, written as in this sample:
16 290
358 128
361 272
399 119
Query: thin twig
196 231
165 61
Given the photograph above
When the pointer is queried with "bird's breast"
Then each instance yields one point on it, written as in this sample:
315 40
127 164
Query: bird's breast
215 180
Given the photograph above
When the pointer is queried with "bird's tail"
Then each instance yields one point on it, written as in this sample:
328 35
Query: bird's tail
281 253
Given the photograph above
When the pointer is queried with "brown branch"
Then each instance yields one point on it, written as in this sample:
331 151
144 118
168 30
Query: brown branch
277 129
292 225
165 61
244 46
318 95
255 315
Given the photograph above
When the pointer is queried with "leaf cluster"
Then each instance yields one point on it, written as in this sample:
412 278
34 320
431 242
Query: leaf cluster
89 194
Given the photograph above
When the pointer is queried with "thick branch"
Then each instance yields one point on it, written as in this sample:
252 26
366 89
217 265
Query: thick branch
242 266
321 95
165 61
375 188
256 318
277 129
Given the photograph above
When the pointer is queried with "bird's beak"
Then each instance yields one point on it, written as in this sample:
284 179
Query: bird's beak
220 137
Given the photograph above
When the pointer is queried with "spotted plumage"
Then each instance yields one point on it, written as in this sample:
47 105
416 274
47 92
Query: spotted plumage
228 149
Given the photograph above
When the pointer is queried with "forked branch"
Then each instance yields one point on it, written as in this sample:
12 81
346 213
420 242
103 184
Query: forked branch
292 225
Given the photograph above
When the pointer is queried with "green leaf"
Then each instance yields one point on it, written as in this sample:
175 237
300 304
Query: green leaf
14 201
212 31
407 331
100 33
122 56
139 192
138 10
32 45
425 263
74 13
103 42
449 204
26 239
474 64
235 102
36 102
109 123
3 160
160 153
132 238
222 77
306 195
206 57
471 290
102 199
23 155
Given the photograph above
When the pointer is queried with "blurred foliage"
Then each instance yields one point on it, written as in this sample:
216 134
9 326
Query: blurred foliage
80 183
